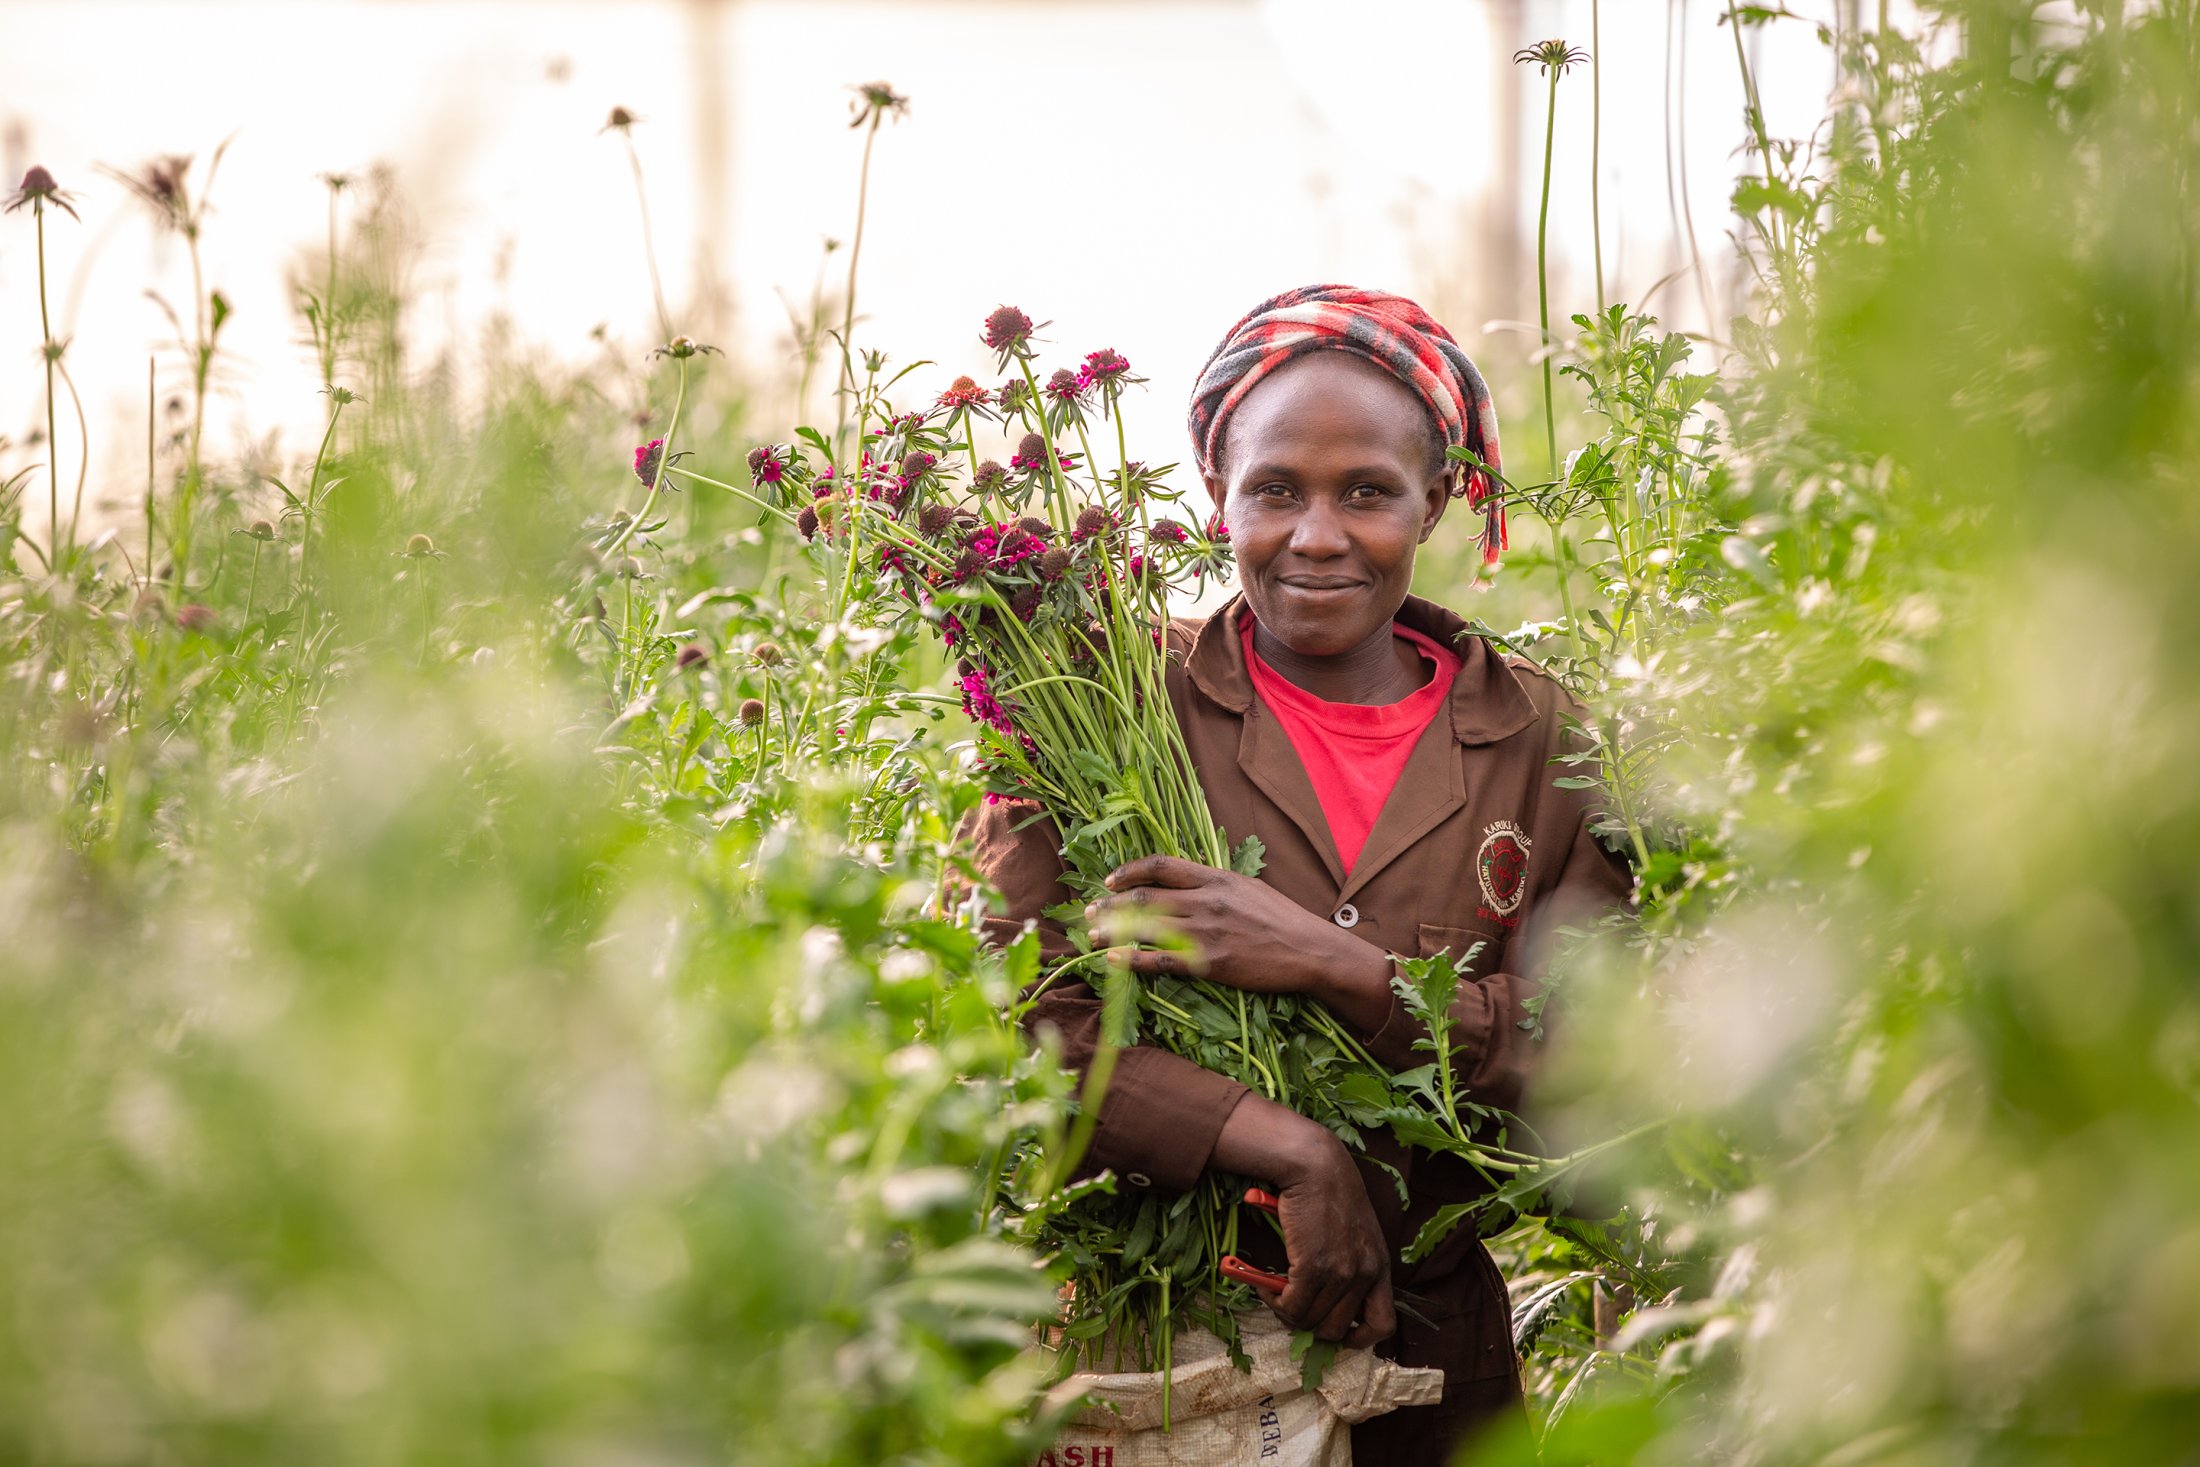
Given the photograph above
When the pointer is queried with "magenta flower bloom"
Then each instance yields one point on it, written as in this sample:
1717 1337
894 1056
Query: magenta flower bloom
1105 365
647 458
979 702
1168 532
963 392
1065 386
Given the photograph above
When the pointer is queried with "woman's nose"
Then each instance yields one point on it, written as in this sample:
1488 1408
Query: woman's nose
1319 533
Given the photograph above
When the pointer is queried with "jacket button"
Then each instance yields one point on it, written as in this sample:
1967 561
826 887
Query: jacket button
1348 915
1139 1179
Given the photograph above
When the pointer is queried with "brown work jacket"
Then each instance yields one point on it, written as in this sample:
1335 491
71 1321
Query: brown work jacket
1476 844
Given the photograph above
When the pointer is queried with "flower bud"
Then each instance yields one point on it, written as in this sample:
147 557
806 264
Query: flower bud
752 712
769 654
261 529
419 547
806 522
691 655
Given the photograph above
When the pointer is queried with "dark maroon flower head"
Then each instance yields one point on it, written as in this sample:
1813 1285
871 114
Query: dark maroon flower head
39 188
752 712
1055 563
621 120
1031 453
990 477
1092 521
1168 532
1035 527
1065 386
1007 329
768 654
1012 395
693 654
971 564
757 458
806 522
647 458
934 518
915 463
1026 602
193 617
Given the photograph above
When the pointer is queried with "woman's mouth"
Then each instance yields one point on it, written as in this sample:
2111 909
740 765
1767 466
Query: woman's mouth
1320 585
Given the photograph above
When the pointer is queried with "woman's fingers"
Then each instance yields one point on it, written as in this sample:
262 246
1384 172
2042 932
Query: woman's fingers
1378 1317
1172 871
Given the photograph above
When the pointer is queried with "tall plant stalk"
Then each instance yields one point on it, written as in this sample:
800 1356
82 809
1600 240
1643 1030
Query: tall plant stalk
1596 141
50 351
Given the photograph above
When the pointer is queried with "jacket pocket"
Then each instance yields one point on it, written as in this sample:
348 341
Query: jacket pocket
1471 949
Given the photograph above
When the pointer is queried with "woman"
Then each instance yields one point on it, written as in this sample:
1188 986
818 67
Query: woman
1399 772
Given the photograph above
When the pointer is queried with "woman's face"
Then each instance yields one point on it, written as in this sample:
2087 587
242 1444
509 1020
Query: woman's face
1328 481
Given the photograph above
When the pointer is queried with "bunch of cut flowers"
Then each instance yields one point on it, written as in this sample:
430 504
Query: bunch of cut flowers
1047 579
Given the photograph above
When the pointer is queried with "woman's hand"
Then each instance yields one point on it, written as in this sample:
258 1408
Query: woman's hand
1243 933
1339 1270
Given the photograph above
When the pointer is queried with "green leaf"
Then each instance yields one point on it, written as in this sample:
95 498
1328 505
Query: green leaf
1438 1228
1249 856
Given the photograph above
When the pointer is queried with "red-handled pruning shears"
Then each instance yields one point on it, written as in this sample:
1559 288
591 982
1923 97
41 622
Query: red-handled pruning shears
1234 1267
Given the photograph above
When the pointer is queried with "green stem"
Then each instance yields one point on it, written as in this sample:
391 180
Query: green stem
53 442
855 258
1559 549
1596 140
312 507
657 479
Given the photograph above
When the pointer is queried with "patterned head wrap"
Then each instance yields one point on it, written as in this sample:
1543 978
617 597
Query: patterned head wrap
1388 330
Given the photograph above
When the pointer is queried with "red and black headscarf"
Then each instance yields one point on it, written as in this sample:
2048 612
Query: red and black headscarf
1388 330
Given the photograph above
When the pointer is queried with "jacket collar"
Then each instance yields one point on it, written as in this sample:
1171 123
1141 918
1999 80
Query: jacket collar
1487 701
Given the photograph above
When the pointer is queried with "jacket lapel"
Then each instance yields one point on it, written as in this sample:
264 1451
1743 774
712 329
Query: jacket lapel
1430 790
1274 767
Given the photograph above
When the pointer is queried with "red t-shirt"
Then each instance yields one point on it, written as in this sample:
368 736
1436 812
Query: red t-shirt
1353 752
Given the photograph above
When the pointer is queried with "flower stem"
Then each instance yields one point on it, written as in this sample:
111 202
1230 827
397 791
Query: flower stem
649 242
855 258
53 443
1560 553
1596 140
657 479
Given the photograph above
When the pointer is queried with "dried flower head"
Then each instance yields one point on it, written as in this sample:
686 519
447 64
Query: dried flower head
39 190
691 654
1025 603
1007 329
620 120
768 654
806 522
1552 55
752 712
261 529
874 100
160 186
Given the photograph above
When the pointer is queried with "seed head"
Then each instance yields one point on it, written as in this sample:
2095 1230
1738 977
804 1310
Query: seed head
40 189
621 120
1168 532
691 654
193 617
419 547
875 99
752 712
1006 329
806 522
261 529
769 654
972 564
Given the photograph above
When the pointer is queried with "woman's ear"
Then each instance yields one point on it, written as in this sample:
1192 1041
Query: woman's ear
1439 496
1218 488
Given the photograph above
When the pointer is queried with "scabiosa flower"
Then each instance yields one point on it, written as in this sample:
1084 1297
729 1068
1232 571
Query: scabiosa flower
648 459
1064 386
1025 604
1006 329
1030 454
915 464
1168 532
1217 531
989 478
1013 396
195 618
261 529
419 547
1091 521
979 702
970 565
963 392
934 518
752 712
628 568
1105 365
1032 525
1055 563
768 653
691 654
806 522
39 188
1011 545
765 464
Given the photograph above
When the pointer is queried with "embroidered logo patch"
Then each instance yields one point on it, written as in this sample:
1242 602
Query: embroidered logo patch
1502 865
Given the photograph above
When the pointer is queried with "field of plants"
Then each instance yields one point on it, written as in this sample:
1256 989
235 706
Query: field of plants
490 976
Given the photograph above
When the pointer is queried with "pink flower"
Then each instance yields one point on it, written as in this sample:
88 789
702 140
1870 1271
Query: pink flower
647 460
1065 386
1106 365
963 392
1168 532
979 702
